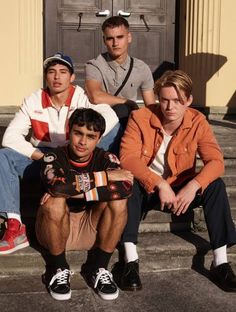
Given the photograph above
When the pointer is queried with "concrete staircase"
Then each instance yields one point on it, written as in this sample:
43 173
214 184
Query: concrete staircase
181 242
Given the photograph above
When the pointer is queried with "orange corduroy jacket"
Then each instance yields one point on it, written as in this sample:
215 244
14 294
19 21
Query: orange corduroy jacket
143 137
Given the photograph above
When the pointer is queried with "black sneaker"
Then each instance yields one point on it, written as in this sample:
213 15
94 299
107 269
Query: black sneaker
102 282
224 277
59 285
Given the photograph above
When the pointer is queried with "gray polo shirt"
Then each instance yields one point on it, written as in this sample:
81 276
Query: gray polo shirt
111 75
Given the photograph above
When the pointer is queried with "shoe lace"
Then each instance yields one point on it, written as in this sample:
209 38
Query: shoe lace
61 277
9 235
103 276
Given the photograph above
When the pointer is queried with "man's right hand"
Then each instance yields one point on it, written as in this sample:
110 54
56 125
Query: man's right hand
37 155
120 175
133 105
166 195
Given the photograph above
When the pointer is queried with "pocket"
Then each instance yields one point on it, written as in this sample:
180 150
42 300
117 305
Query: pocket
185 155
146 154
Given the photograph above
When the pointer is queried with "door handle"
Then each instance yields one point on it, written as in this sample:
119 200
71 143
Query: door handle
123 13
103 13
145 23
80 18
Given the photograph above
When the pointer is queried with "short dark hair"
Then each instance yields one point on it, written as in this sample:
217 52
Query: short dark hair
115 21
55 62
89 118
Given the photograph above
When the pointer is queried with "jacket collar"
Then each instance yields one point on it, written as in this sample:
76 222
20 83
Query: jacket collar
47 102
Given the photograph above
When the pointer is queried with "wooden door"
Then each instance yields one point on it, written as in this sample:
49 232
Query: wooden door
74 27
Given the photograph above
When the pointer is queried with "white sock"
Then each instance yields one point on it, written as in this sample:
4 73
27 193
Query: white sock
130 252
220 256
16 216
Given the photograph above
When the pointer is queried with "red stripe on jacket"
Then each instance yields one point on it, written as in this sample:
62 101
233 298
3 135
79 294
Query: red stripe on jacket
40 130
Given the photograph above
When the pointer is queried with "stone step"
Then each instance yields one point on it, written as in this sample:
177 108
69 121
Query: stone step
229 176
157 252
159 222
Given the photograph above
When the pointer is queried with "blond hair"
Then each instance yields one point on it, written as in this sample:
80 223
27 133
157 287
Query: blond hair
177 79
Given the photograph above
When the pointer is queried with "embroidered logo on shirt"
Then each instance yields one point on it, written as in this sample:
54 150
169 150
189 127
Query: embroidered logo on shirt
82 182
38 112
49 157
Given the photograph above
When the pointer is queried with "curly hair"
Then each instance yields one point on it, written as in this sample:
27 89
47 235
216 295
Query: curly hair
89 118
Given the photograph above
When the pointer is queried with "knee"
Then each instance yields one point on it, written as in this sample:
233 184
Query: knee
8 160
54 209
4 155
217 184
118 207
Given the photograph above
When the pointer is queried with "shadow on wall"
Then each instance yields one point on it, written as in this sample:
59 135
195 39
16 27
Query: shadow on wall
231 109
232 102
201 67
159 71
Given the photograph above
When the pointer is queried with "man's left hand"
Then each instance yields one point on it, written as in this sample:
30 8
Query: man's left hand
120 175
185 196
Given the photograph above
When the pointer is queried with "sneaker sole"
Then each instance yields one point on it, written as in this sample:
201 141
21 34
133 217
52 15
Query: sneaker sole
127 288
108 296
60 296
21 246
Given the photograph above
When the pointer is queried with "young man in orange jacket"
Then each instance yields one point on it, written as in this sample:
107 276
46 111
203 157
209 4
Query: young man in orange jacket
159 147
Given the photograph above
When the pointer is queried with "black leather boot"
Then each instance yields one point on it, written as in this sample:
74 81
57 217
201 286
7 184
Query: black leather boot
130 279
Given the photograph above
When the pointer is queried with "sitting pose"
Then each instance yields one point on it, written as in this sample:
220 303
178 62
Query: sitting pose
46 113
85 207
116 78
159 147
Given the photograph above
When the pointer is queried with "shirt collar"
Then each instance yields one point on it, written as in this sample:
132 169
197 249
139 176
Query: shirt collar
114 65
46 100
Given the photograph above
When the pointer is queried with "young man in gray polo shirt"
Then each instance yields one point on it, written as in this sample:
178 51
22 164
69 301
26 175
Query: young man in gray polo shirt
104 77
105 74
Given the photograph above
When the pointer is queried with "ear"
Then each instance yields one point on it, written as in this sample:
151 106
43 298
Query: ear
72 78
99 140
129 37
189 100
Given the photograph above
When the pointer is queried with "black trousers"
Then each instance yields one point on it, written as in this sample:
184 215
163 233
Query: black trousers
122 111
214 201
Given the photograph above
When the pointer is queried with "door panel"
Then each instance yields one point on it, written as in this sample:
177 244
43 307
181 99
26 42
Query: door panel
153 42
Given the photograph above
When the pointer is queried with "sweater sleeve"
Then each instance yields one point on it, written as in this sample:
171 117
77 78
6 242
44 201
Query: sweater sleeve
61 180
114 190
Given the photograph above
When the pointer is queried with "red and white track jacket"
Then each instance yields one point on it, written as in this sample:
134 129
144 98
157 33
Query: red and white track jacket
49 126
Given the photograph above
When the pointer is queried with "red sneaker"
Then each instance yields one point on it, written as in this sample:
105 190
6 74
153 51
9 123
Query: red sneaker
14 237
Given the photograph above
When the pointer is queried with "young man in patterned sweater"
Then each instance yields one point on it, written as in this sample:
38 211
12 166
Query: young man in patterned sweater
84 207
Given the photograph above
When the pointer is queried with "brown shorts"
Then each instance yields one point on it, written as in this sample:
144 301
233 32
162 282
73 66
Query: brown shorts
82 233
